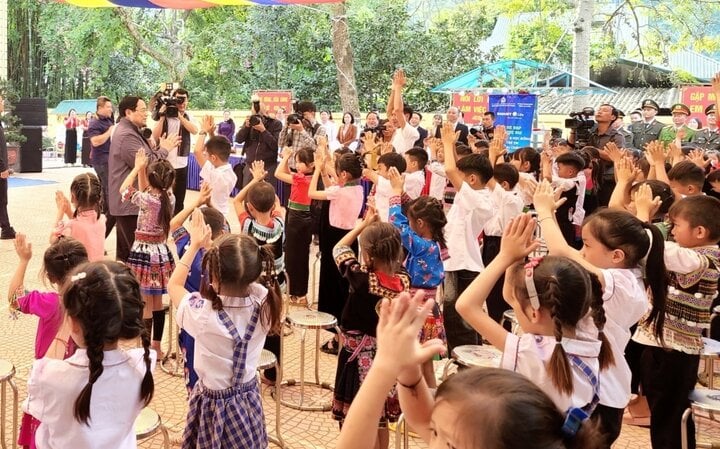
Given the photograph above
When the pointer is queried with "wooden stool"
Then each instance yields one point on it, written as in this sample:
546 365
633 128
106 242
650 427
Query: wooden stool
473 356
707 401
510 318
305 320
7 372
147 424
711 352
268 360
172 361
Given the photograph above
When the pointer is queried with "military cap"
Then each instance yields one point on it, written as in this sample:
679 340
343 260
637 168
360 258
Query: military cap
620 114
650 104
710 109
681 108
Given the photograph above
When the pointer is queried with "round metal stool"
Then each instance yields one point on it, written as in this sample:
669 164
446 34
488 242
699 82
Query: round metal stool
473 356
307 320
172 361
707 401
268 360
510 318
148 423
7 372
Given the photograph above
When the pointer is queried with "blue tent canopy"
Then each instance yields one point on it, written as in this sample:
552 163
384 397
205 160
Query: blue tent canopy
80 106
514 74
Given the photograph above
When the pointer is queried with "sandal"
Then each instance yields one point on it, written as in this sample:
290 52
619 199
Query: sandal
330 347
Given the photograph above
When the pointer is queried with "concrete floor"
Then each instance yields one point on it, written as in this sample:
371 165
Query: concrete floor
32 210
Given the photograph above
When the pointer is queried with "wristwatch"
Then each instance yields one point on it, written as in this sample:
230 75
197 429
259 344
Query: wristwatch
202 133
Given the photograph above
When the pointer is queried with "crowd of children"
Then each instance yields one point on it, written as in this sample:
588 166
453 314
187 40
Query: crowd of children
612 300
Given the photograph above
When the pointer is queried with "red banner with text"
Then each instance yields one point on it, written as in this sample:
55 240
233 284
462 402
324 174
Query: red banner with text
697 98
272 100
473 106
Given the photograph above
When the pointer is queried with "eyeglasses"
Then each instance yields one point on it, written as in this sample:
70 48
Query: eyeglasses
141 110
180 100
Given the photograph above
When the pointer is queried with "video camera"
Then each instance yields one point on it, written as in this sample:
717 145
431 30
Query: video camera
165 98
256 118
582 124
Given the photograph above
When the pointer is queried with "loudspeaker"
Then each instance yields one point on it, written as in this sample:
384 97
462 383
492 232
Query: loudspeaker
31 150
32 111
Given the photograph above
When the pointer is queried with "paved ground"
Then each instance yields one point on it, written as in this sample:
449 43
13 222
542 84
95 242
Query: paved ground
32 210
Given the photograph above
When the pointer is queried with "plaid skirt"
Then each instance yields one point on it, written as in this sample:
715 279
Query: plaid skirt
152 263
354 361
434 326
225 419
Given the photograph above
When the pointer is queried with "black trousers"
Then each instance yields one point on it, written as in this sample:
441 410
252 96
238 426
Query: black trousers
298 235
667 379
180 188
610 420
126 225
496 304
102 173
4 219
457 330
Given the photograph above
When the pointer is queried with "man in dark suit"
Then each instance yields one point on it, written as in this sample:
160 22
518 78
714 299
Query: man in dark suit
415 119
7 232
649 129
453 114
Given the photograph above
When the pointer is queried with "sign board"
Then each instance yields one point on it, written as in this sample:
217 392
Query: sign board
471 105
274 99
516 112
697 98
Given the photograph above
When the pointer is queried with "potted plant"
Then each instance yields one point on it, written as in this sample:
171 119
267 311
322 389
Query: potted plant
11 124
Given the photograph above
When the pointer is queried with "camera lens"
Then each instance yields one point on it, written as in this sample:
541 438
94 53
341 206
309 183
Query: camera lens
180 100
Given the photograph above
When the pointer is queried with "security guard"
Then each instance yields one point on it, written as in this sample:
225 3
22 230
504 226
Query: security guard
648 129
619 125
680 114
708 138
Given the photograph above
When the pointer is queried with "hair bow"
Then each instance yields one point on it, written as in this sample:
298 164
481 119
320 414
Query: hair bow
530 282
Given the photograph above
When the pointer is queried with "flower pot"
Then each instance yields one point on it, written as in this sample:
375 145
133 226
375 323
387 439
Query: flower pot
13 151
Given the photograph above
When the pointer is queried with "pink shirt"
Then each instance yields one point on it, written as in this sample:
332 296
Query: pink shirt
89 230
345 205
45 305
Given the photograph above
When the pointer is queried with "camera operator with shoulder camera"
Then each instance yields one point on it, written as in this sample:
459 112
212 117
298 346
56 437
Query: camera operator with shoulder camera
301 129
600 135
259 134
170 111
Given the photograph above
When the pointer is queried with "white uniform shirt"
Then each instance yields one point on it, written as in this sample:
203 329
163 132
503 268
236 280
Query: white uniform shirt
508 205
54 385
470 211
438 180
222 180
213 342
414 183
404 138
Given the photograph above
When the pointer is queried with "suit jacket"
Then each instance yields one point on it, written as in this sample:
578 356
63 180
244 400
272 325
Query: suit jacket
458 127
423 134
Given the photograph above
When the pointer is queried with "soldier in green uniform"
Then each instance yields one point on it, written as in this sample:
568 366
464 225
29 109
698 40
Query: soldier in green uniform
648 129
678 132
708 138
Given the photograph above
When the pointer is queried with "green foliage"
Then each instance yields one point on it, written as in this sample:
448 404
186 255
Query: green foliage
12 125
540 40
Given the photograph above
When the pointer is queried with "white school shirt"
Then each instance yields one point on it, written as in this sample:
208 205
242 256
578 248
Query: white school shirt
625 302
529 354
414 183
526 194
383 192
404 138
222 181
213 342
173 129
54 385
508 205
438 180
466 218
565 184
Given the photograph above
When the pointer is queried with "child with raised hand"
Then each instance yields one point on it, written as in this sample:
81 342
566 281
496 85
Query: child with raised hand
92 399
549 296
345 195
423 239
479 407
86 223
380 275
212 156
626 255
59 260
229 319
299 222
673 342
150 257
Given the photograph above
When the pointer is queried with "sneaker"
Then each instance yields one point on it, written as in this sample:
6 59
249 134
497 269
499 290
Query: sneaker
7 234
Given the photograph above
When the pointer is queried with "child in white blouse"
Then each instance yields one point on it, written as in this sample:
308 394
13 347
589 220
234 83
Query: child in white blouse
85 401
229 319
549 296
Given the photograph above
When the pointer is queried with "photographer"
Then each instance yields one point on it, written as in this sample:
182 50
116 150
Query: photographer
174 120
600 135
259 134
301 129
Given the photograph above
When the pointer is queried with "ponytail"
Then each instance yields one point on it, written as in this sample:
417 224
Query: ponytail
211 267
559 367
95 355
271 313
606 357
656 278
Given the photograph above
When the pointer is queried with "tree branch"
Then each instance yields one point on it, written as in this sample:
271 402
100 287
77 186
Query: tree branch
141 43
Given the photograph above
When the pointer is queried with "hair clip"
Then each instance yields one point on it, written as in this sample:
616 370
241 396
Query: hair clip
530 282
77 277
574 418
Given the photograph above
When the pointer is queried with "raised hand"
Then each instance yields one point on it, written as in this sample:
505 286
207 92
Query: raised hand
625 170
396 180
257 169
170 142
612 152
645 205
141 159
544 199
654 152
23 248
697 157
448 136
517 240
205 194
287 152
208 124
200 233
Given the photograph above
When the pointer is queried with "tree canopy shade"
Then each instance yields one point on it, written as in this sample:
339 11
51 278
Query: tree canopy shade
188 4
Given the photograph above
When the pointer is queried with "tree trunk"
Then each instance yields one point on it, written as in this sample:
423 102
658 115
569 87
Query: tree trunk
343 55
581 50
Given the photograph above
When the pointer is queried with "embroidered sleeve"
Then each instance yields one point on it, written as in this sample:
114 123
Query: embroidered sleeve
129 194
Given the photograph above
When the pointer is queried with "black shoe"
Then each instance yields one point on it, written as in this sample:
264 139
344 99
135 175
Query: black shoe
330 347
7 234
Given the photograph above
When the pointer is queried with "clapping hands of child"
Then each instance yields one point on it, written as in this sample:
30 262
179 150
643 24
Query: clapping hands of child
63 204
141 159
200 233
448 136
257 169
205 194
645 205
396 180
625 170
545 199
518 239
171 142
399 351
208 124
23 248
